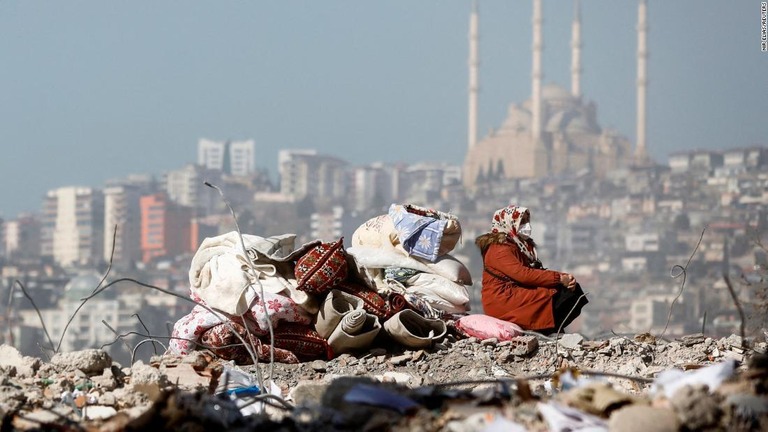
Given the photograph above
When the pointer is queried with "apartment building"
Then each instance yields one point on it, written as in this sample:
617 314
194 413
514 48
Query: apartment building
306 174
165 227
235 158
186 187
73 226
122 225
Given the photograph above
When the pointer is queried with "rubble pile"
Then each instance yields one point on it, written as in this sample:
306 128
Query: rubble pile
460 384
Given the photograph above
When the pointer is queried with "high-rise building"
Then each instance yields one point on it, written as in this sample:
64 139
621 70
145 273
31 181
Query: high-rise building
186 186
122 213
165 227
230 157
306 174
21 238
73 226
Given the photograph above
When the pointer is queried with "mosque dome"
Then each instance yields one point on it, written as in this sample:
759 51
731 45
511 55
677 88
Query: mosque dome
81 285
518 119
557 121
580 124
554 92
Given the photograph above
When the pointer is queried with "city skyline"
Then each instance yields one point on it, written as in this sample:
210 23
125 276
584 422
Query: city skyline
97 91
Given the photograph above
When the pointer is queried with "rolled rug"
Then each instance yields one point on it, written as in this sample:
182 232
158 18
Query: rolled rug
413 330
356 331
335 306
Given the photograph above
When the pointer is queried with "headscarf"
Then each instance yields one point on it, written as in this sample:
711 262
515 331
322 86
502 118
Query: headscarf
508 220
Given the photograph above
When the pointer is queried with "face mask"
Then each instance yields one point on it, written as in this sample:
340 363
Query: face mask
525 230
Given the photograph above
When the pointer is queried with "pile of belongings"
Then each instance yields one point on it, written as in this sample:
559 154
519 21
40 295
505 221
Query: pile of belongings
261 298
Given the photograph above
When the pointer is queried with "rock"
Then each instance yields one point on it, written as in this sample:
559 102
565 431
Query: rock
397 377
108 398
308 393
98 412
147 380
489 342
318 366
418 355
570 341
185 376
696 408
197 359
733 341
693 339
90 361
10 357
640 418
12 398
400 360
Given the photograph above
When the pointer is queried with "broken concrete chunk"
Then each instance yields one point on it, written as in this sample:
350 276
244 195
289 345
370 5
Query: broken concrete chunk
570 340
90 361
640 418
401 359
10 357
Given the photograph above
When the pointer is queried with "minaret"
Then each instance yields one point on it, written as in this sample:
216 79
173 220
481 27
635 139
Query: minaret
576 50
473 69
641 154
536 73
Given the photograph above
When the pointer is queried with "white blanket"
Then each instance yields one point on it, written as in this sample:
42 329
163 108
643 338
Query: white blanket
222 277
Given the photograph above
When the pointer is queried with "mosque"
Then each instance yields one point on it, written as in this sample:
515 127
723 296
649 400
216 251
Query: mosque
555 131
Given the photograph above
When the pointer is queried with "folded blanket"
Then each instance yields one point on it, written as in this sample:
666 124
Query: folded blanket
228 278
419 235
367 263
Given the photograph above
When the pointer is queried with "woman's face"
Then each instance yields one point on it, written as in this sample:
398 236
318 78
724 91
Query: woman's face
525 219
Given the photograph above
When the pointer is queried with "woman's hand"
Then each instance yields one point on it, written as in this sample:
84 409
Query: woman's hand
568 280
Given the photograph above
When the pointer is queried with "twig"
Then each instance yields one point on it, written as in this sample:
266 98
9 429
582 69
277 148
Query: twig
39 315
80 306
8 311
208 347
684 274
219 314
145 328
153 340
738 307
128 347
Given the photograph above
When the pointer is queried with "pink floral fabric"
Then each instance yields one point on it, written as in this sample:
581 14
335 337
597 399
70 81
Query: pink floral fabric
276 309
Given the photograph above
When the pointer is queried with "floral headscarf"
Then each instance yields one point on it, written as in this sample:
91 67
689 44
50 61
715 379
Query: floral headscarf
507 220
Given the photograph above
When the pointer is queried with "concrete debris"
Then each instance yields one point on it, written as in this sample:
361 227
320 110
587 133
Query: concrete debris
11 359
571 341
90 361
624 384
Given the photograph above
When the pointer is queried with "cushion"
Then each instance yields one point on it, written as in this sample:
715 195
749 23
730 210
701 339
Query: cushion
487 327
441 293
322 267
376 232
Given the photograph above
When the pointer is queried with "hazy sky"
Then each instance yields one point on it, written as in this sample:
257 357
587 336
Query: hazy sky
91 90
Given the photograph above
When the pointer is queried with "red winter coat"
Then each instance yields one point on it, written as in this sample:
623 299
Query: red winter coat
512 290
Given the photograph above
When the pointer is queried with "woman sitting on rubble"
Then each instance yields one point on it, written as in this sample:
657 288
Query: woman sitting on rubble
516 287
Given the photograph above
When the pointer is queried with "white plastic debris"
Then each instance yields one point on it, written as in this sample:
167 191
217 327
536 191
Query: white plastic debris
668 381
561 418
